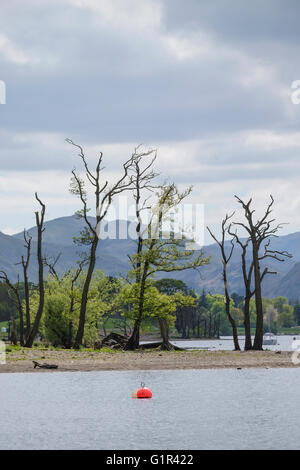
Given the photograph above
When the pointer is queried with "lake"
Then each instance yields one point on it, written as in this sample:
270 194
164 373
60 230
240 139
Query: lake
284 343
190 409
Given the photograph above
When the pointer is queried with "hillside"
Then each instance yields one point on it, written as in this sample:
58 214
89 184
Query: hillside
112 258
289 285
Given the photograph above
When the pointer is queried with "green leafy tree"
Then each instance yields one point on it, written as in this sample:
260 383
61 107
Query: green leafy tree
159 253
217 309
62 307
286 317
297 312
156 305
226 255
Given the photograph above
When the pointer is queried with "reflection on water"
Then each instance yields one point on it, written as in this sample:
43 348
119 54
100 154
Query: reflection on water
190 409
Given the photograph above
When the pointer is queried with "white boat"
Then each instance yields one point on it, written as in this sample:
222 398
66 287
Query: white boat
269 339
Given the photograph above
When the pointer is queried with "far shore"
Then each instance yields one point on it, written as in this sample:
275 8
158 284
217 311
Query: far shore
75 361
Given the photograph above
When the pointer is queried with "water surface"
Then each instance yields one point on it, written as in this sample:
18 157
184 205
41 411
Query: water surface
284 343
190 409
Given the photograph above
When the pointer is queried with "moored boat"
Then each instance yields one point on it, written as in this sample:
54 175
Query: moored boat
269 339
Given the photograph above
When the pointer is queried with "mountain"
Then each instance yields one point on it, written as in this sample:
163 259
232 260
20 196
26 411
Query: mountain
289 285
58 239
113 251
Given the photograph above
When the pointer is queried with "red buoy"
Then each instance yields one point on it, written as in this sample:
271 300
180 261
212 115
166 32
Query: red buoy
144 392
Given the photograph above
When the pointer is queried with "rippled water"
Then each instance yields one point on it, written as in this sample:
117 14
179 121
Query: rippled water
190 409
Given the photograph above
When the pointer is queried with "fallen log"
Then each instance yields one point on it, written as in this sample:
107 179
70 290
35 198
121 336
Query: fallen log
114 339
161 345
117 341
44 366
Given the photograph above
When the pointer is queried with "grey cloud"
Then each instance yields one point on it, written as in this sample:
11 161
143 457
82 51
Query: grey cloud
100 84
239 21
113 86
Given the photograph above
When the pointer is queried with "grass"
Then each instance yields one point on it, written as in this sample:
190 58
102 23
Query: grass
295 330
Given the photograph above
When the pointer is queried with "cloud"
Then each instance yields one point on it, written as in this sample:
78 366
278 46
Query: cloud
208 84
11 53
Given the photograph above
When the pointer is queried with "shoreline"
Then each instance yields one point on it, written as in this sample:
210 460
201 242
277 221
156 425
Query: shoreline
87 361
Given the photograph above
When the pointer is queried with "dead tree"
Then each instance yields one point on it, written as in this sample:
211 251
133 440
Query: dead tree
143 180
24 332
15 290
225 261
40 217
258 232
249 292
25 264
104 196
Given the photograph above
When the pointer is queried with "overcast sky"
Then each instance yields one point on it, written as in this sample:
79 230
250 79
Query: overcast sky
207 83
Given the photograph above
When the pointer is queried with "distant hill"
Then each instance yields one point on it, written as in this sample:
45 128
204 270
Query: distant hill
112 257
289 285
58 239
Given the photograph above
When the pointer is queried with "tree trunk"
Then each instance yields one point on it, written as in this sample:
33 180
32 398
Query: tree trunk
21 323
227 306
134 340
104 329
234 330
27 305
36 324
218 328
166 345
248 339
70 335
13 336
259 332
85 292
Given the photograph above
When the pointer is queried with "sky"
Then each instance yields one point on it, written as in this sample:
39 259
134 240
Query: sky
208 84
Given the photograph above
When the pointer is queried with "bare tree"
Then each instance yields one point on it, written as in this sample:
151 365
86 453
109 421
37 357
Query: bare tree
40 217
249 292
104 196
143 181
258 232
25 261
225 261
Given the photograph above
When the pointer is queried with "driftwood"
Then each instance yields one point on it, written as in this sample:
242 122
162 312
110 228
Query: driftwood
117 341
162 346
44 366
114 340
